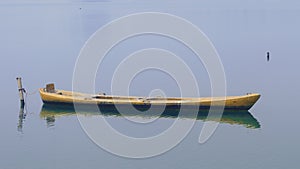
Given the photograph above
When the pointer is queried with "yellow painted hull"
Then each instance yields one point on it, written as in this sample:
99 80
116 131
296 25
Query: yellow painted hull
244 102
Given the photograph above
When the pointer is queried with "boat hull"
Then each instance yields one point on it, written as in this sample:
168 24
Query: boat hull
68 98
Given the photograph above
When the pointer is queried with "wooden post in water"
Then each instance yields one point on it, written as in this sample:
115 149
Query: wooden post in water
21 91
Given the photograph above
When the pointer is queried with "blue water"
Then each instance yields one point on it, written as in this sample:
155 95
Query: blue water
40 42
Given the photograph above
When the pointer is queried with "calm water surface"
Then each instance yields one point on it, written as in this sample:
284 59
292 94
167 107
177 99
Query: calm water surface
41 41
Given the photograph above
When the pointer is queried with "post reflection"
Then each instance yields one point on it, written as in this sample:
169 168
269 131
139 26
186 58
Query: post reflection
234 117
22 117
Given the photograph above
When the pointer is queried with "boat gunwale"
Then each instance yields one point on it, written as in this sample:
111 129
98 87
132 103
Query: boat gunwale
64 93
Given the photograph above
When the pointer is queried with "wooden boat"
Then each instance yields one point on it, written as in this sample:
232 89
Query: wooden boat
51 96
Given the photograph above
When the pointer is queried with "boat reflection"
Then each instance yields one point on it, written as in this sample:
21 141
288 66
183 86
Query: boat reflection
234 117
